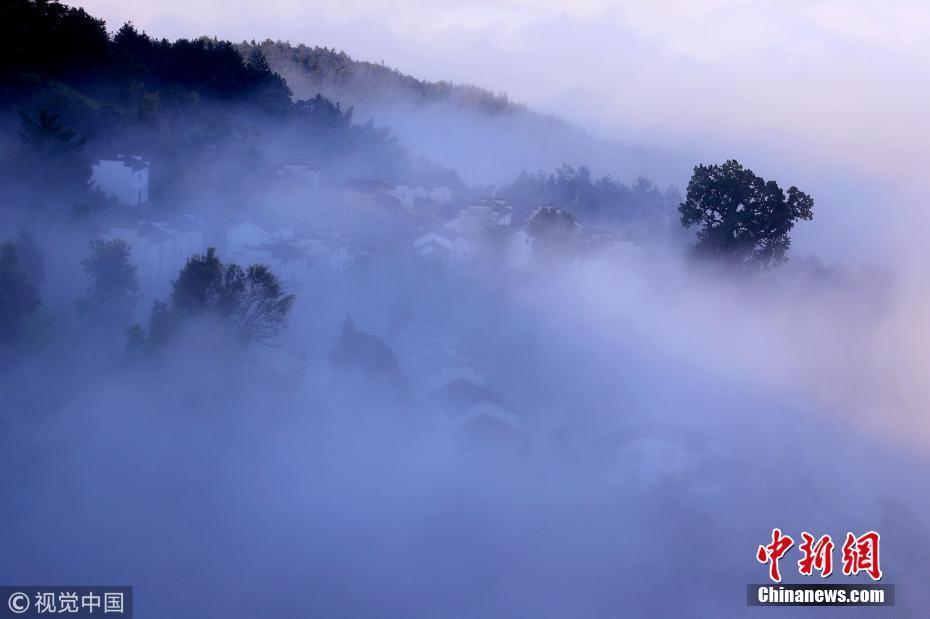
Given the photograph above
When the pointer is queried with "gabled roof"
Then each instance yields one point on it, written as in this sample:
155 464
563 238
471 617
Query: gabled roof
283 249
367 185
184 223
657 431
306 231
441 232
153 233
264 221
135 162
386 200
300 163
462 402
496 205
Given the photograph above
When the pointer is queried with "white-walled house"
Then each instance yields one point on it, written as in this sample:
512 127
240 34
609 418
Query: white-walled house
445 245
247 234
293 253
431 358
412 196
648 452
518 251
475 412
331 254
160 248
249 243
442 195
125 178
477 218
298 176
601 242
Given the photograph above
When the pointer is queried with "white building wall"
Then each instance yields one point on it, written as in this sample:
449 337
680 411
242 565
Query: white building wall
408 195
442 195
519 250
159 259
118 180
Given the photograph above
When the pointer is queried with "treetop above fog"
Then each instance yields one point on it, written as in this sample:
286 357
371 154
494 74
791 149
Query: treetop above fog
742 217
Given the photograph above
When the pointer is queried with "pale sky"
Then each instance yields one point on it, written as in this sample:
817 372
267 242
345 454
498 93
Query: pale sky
834 83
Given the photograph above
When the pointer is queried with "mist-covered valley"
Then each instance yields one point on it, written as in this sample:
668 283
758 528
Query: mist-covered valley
279 346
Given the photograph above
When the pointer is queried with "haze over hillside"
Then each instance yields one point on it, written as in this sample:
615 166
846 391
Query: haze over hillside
261 358
461 126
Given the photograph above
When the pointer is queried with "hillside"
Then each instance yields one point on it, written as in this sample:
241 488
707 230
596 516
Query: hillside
217 114
336 75
487 137
215 121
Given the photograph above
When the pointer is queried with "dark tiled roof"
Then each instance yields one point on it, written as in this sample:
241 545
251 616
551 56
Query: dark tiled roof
134 161
366 185
460 395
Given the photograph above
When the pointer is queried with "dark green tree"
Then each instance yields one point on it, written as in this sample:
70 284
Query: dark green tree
114 288
54 160
199 285
249 301
360 357
742 217
31 258
356 350
18 297
253 299
598 201
42 37
554 232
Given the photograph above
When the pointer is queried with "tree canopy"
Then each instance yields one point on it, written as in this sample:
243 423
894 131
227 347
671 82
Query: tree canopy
602 201
30 257
18 296
250 301
199 109
113 286
336 74
554 232
53 157
356 350
360 356
742 217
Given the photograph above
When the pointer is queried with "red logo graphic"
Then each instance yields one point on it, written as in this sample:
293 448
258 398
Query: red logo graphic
817 556
773 552
860 554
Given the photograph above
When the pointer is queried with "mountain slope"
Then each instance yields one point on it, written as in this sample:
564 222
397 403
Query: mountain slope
312 70
487 137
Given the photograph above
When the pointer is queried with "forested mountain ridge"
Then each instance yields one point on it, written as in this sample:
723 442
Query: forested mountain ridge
310 70
213 112
62 57
71 92
457 124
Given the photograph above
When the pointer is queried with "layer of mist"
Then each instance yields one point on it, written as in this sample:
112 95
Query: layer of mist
462 416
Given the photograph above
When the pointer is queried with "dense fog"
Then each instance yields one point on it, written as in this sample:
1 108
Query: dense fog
453 390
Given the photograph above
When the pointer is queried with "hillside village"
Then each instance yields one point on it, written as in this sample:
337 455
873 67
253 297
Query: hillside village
290 332
274 171
308 230
309 233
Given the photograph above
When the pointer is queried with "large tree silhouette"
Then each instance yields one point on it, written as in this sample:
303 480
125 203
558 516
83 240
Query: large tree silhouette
18 297
249 301
742 217
113 286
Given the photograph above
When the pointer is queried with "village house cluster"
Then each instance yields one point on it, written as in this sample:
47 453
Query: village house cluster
308 230
313 229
